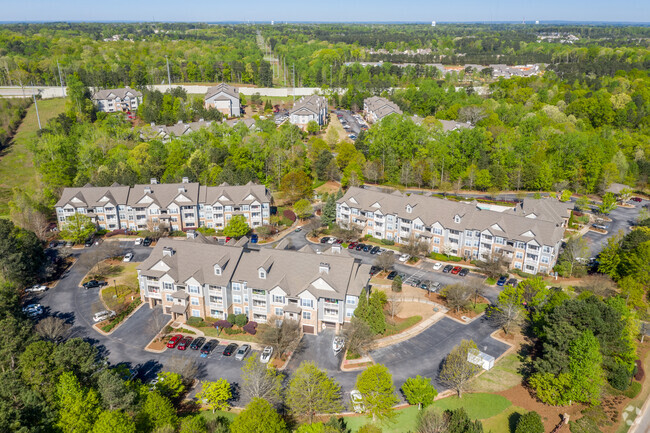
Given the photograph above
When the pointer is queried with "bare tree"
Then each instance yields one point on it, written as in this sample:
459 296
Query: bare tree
431 421
187 368
493 265
359 338
574 252
157 321
385 261
53 328
477 289
457 296
394 304
282 334
347 235
415 247
260 381
508 312
471 113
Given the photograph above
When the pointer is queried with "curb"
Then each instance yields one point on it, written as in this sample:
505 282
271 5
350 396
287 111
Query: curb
119 324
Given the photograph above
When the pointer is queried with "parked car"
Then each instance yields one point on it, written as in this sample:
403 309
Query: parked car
456 270
404 257
600 226
186 341
392 275
242 352
331 241
138 241
374 269
128 257
357 401
174 340
103 315
435 286
512 282
463 272
298 230
324 240
33 310
415 283
69 244
266 354
437 266
208 347
502 281
36 289
367 248
89 242
637 199
254 238
447 269
352 245
93 284
230 349
146 242
360 247
197 343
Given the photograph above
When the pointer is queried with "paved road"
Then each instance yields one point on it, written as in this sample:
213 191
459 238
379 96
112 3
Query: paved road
622 219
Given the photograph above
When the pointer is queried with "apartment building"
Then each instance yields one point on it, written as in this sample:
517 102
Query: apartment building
177 206
166 133
112 100
224 98
307 109
195 278
376 108
528 235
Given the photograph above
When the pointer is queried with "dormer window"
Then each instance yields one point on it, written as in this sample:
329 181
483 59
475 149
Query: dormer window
457 219
409 209
217 270
262 274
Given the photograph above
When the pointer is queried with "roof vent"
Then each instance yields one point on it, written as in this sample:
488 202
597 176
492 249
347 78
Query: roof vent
153 181
324 268
147 189
186 180
181 189
168 251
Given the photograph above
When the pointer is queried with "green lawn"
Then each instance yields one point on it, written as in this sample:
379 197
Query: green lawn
404 421
504 375
505 422
16 166
477 406
399 327
208 415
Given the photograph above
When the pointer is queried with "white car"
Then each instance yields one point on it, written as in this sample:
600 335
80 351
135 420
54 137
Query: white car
103 315
138 241
33 310
37 288
437 266
266 355
404 257
357 401
128 257
331 240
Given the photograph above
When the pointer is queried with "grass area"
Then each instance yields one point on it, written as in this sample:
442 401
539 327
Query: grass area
477 406
16 166
210 331
479 308
392 329
116 296
504 375
505 422
404 421
490 281
208 415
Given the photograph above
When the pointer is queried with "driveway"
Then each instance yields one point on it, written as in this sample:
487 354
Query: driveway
424 353
622 219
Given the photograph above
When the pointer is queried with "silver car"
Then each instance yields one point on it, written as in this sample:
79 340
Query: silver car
242 352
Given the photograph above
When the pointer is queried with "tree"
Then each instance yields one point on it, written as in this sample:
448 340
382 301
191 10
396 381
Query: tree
385 261
170 385
328 215
457 371
633 292
237 227
258 417
22 255
296 185
493 265
359 338
371 311
284 337
508 310
418 390
394 303
156 412
582 202
77 356
585 367
53 328
565 195
396 285
193 424
77 228
114 392
573 252
312 391
113 421
216 394
431 421
457 296
530 422
459 422
608 203
625 194
313 127
414 247
187 368
261 381
377 391
303 208
534 292
79 408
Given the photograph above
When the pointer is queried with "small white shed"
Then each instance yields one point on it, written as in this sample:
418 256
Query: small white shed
481 359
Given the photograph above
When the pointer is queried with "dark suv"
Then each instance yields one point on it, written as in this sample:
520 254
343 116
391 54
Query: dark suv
93 284
447 269
146 242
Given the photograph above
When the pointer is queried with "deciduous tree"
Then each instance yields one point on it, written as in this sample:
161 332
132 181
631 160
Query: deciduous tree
77 228
418 390
378 392
303 208
261 381
258 417
284 337
359 338
216 394
312 391
457 371
237 227
79 407
509 309
296 185
113 421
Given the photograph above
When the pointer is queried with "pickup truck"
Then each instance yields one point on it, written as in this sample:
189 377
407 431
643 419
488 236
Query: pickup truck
93 284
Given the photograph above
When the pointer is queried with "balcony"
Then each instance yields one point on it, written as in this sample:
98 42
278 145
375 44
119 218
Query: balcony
259 309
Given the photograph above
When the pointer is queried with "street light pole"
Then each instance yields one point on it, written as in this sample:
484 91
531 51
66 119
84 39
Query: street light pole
115 285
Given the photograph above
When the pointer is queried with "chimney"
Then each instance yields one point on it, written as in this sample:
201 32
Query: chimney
153 181
168 251
186 180
324 268
191 234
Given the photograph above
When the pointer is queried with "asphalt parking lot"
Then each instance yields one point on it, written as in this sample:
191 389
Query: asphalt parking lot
350 120
622 219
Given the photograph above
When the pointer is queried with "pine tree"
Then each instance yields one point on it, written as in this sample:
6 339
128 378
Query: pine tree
329 211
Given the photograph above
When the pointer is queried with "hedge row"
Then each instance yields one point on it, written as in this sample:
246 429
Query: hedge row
117 319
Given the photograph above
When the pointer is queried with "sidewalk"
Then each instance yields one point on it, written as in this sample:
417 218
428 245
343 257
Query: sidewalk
412 331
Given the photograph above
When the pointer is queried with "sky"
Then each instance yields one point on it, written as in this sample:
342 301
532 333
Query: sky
330 10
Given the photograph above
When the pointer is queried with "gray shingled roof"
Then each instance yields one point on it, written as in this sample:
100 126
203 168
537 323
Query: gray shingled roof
222 87
382 107
431 210
309 104
237 194
164 194
121 93
90 195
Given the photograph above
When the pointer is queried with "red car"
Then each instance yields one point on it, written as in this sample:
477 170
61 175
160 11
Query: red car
174 341
184 343
352 245
228 238
456 270
637 199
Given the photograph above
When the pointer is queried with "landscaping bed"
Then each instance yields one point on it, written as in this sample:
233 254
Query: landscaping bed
121 316
471 311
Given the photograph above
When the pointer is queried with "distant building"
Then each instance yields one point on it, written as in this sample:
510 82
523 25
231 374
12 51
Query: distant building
309 108
166 133
117 100
224 98
376 108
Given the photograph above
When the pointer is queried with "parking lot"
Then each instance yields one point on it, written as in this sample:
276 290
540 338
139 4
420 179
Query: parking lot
352 123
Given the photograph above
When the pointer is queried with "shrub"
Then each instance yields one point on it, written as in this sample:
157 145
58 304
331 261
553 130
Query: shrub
530 422
396 285
240 320
289 214
232 331
177 233
101 232
231 318
116 232
639 374
387 242
222 324
619 377
250 328
207 231
444 257
633 390
121 316
195 321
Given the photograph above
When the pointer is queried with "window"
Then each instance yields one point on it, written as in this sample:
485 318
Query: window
306 315
217 270
307 303
351 301
436 240
236 299
169 298
349 313
262 274
194 301
278 311
196 313
237 310
278 299
519 255
193 289
236 287
168 286
545 259
468 233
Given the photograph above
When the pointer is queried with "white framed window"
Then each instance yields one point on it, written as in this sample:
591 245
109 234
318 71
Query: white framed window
236 299
278 311
193 289
278 299
194 301
217 270
306 315
349 313
169 298
237 310
262 274
236 287
307 303
351 301
196 313
168 286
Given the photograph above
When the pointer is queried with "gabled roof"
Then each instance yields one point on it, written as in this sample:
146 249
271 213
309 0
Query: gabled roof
90 196
116 93
222 88
234 194
309 104
164 194
381 107
546 209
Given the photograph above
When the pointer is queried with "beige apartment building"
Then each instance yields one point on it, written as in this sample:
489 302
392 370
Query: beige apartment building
529 234
154 206
198 278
